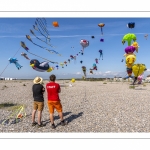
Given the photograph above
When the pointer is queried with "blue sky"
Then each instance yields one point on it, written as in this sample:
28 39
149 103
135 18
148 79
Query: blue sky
67 35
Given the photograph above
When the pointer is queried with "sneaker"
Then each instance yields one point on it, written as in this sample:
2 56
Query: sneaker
41 125
34 123
53 126
63 123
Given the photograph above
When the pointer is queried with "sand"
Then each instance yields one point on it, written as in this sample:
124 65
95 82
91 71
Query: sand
88 106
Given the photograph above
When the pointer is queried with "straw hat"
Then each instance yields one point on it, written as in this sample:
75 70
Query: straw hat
38 80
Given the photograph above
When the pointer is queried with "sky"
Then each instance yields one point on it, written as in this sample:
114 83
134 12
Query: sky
68 35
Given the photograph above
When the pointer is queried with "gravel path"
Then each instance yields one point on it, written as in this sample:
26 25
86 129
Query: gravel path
88 107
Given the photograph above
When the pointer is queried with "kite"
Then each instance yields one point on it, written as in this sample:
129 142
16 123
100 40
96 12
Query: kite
62 64
57 67
14 60
39 38
130 59
51 51
81 61
138 69
129 50
91 71
92 37
101 25
96 60
101 40
94 67
71 56
136 45
122 60
139 78
41 67
129 37
131 25
84 70
84 44
69 60
146 35
65 63
25 55
55 24
101 54
24 46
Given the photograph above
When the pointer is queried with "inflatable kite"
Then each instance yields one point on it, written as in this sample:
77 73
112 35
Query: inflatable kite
69 60
129 50
81 61
131 25
65 63
25 55
91 71
94 67
122 60
129 37
101 54
136 45
130 59
84 70
101 25
57 67
101 40
139 78
41 67
15 61
146 36
62 64
84 44
96 60
92 37
138 69
55 24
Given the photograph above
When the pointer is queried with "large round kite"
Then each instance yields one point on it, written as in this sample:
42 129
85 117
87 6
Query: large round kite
84 44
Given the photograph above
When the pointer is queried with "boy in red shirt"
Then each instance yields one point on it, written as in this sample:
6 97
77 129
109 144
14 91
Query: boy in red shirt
53 90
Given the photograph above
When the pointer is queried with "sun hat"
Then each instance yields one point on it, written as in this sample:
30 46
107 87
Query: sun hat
38 80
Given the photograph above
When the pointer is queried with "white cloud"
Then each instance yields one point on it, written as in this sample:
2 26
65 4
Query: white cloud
108 72
78 73
148 70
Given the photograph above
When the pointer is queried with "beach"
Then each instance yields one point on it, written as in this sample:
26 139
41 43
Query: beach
88 106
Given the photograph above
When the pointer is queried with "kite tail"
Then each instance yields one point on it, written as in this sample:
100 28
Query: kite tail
102 31
129 43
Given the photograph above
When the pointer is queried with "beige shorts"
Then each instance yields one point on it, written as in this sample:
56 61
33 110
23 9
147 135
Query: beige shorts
38 106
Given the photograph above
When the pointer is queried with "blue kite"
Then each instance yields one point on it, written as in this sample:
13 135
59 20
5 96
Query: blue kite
14 60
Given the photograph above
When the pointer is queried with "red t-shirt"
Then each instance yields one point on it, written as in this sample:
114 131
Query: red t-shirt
52 91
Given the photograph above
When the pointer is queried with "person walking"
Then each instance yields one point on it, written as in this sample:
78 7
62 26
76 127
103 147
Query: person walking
38 104
53 90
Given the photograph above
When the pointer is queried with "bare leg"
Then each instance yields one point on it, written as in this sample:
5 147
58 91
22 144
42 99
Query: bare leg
39 117
52 118
33 115
61 116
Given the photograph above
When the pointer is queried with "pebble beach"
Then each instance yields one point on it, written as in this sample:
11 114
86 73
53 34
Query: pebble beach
88 106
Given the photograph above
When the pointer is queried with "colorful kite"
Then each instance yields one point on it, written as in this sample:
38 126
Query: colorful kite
65 63
138 69
25 55
41 67
57 67
129 37
146 36
62 64
131 25
136 45
101 54
96 60
55 24
101 25
24 46
15 61
84 44
69 60
84 70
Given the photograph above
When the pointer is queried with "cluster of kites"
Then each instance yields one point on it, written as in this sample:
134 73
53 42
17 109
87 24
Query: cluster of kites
40 27
130 56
